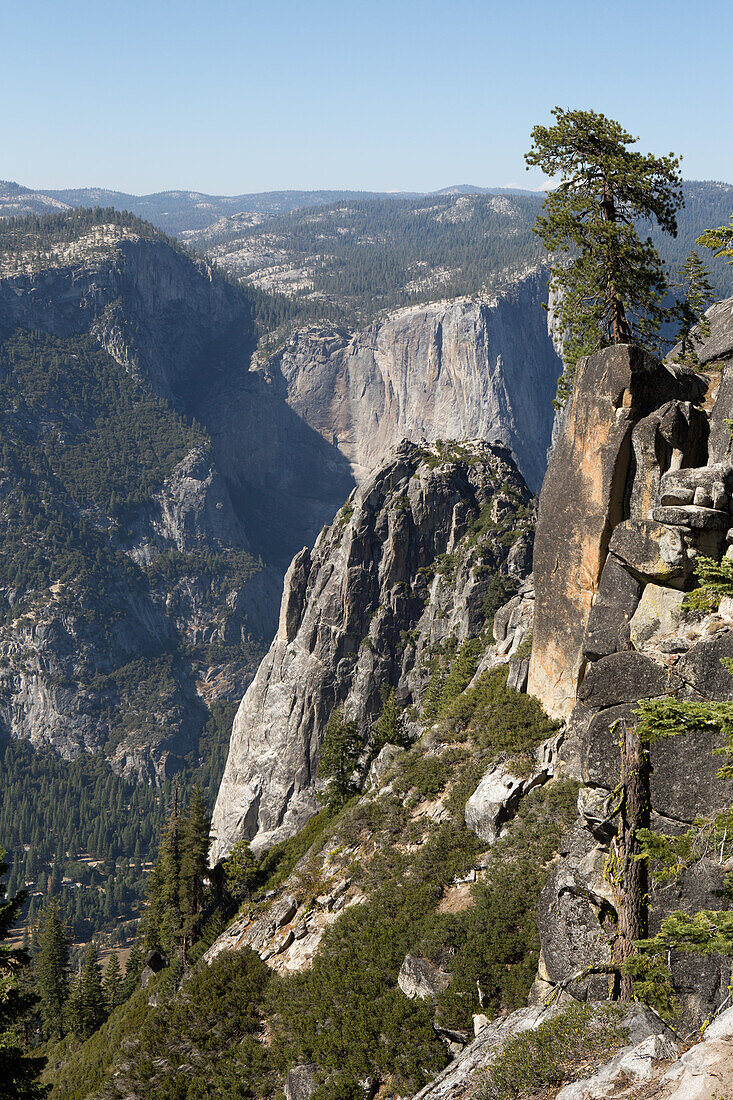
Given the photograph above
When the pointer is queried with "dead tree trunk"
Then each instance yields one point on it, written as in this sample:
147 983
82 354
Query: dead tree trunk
632 878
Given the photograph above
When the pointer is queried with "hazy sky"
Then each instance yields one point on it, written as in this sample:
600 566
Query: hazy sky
230 97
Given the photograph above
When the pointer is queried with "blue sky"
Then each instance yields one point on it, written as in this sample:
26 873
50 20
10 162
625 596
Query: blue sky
230 97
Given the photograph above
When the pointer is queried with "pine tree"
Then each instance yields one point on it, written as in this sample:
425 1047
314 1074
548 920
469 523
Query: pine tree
91 997
194 853
18 1073
608 283
720 240
339 753
133 970
240 869
698 295
112 984
51 969
164 921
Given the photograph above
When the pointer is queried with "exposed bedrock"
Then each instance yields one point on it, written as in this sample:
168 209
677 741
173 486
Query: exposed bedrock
361 613
630 501
585 495
458 369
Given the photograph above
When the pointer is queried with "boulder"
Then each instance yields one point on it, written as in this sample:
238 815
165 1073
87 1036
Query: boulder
701 668
419 978
659 612
382 763
301 1082
651 552
496 798
624 678
692 516
582 501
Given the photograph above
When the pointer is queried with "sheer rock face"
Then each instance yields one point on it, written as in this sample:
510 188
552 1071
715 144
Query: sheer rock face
583 498
450 370
631 496
359 614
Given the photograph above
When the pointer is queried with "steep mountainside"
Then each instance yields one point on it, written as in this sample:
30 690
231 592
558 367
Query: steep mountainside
132 587
450 370
414 561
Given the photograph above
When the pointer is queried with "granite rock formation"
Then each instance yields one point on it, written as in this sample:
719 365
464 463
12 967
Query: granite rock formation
405 566
611 629
458 369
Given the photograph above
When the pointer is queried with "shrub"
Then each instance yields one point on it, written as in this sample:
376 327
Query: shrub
556 1052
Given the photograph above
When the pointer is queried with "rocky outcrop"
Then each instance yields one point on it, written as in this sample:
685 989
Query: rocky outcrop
406 565
584 497
458 369
611 629
459 1080
419 977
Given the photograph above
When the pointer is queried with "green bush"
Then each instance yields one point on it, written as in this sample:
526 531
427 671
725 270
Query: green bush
497 718
560 1050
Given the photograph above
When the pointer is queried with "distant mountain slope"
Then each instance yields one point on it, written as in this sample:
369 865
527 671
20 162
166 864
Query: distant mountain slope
366 256
173 211
183 211
142 550
363 257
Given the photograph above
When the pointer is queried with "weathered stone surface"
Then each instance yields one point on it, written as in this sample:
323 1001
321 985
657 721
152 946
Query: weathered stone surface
701 667
692 516
615 603
418 977
496 798
573 907
635 1064
582 501
301 1082
677 483
357 617
456 369
684 782
672 436
651 551
659 612
459 1079
382 764
624 678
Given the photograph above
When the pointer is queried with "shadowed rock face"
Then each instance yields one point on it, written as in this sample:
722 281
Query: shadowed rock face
460 369
642 521
583 499
264 484
359 613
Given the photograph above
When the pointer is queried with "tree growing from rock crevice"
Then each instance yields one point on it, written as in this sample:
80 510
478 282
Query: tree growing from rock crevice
337 759
607 282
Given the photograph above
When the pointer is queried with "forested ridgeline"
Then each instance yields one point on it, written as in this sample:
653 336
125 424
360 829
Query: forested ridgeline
362 257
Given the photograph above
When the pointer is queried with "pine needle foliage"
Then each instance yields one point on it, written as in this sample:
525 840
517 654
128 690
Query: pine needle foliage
720 240
18 1073
608 283
697 296
715 580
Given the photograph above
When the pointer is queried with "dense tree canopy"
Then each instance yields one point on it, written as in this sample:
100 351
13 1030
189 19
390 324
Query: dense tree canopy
608 282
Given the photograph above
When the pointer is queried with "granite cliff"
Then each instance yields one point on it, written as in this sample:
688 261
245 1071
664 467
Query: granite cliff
408 564
461 369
